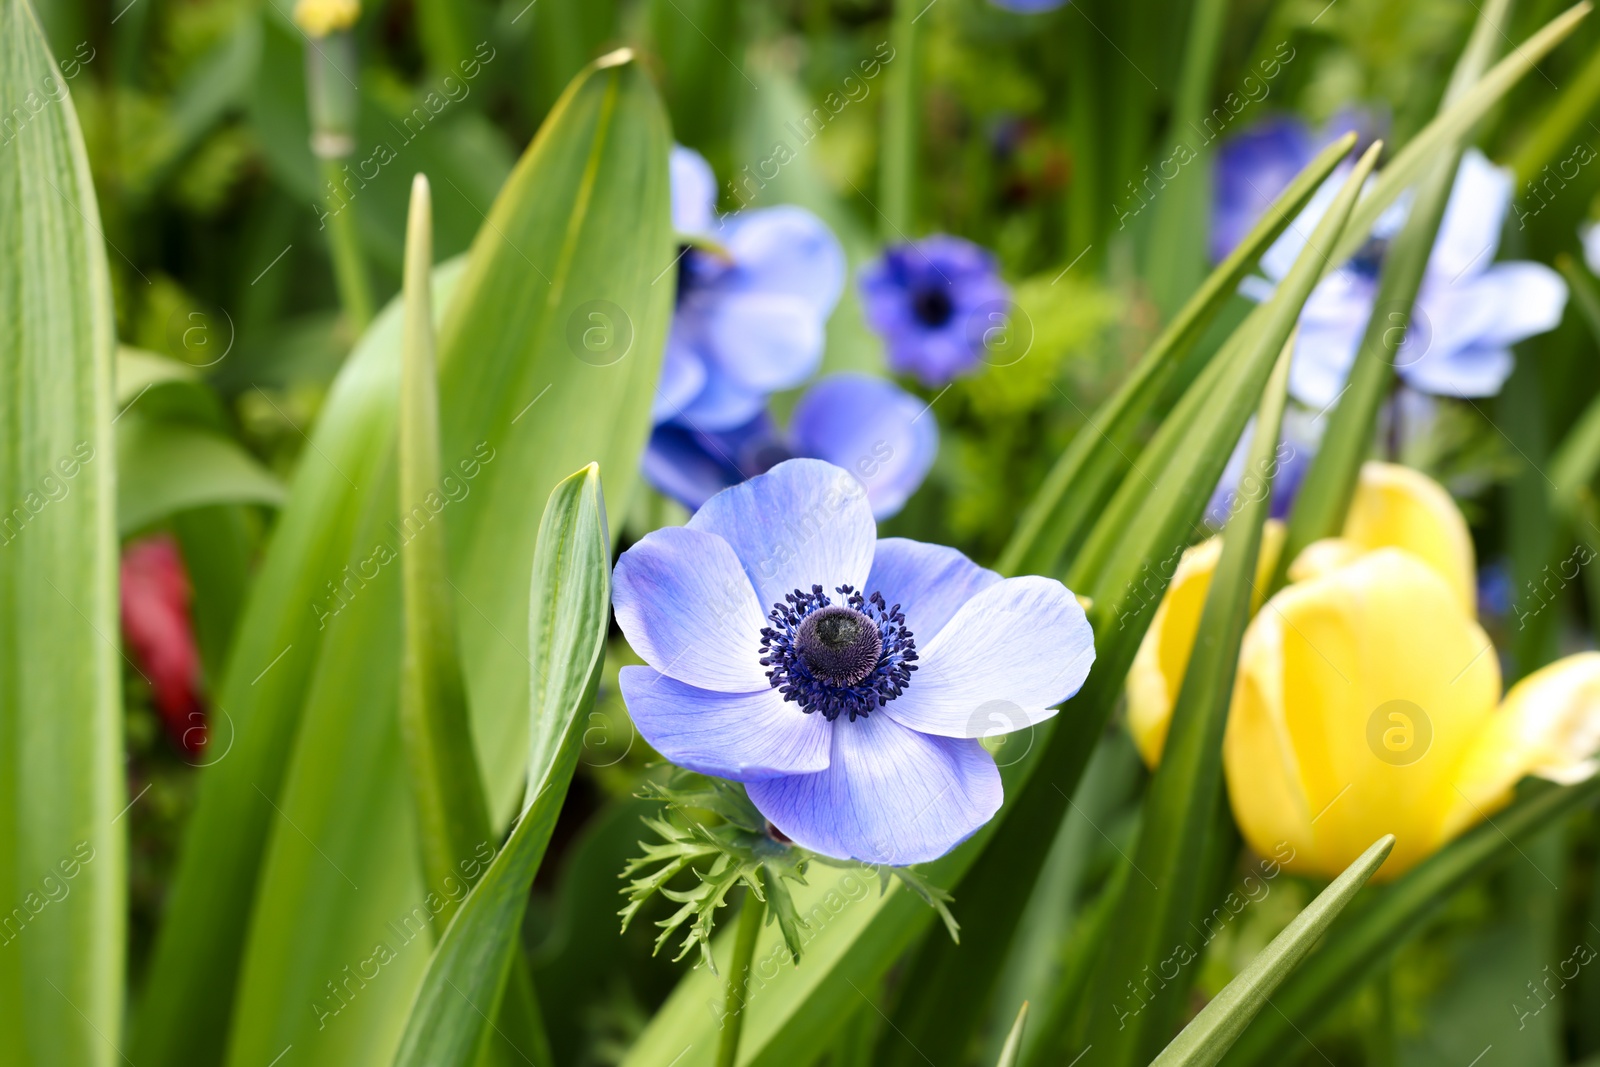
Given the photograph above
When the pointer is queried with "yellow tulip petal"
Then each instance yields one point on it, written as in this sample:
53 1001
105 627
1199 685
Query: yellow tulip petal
1397 507
1320 557
1163 656
318 18
1359 691
1548 725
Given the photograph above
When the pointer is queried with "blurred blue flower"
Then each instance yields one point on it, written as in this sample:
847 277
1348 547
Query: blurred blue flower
845 680
1298 439
751 309
1251 170
871 427
1254 167
1029 7
932 301
1469 311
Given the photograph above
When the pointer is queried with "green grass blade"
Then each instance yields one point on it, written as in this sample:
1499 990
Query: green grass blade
1013 1046
312 801
1330 483
435 729
1070 497
1155 909
167 467
1365 938
571 598
1204 1041
63 853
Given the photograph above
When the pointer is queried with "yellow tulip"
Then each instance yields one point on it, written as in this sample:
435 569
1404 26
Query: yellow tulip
318 18
1368 698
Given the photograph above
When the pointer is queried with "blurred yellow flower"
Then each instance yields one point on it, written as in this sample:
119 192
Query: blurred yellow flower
1368 697
318 18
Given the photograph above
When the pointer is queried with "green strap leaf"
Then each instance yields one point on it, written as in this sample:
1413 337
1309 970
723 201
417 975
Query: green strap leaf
1364 939
567 630
1154 910
1203 1042
301 856
167 467
63 850
435 728
1012 1049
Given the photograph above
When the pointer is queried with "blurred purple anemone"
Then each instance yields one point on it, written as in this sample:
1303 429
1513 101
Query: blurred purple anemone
932 302
844 679
752 304
871 427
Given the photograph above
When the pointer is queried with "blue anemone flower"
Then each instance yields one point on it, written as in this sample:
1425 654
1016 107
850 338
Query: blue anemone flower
871 427
844 679
1029 7
751 307
933 301
1469 311
1252 169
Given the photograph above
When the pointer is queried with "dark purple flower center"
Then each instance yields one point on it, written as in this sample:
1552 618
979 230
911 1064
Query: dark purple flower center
932 306
838 659
839 644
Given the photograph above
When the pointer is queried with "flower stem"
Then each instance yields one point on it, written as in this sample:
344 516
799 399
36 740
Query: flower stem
744 948
349 268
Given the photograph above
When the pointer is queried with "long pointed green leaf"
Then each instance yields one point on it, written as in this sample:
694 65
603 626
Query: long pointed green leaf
571 608
1013 1046
1155 909
1366 937
167 467
1204 1041
452 817
62 851
1136 543
1330 483
1068 500
305 827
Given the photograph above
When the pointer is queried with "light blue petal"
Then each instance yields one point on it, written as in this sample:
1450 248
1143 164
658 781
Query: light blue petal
872 428
763 341
787 250
1530 298
929 582
1469 233
803 523
685 606
1007 657
1474 371
694 191
722 404
890 795
683 376
741 736
1590 235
